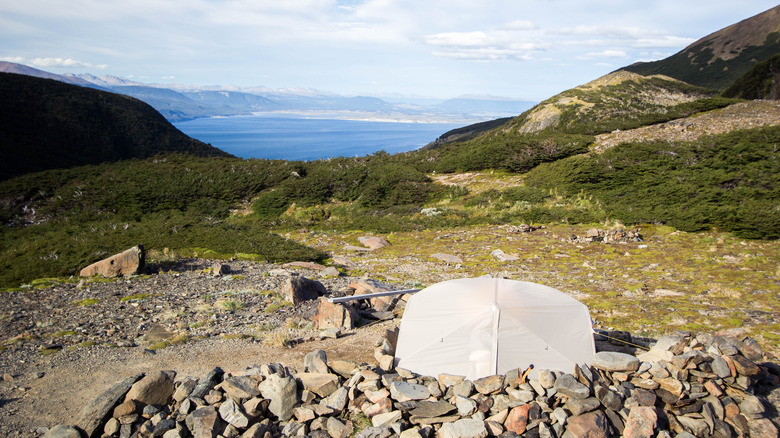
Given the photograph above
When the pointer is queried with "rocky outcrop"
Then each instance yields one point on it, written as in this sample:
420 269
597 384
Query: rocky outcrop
128 262
685 385
299 289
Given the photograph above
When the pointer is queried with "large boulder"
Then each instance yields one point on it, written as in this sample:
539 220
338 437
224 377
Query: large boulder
300 289
335 315
125 263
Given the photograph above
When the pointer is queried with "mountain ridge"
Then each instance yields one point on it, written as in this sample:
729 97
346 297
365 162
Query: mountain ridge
49 124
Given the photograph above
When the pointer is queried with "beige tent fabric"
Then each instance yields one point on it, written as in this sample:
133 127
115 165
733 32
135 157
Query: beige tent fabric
477 327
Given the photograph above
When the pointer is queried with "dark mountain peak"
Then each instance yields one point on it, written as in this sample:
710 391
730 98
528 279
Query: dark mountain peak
719 59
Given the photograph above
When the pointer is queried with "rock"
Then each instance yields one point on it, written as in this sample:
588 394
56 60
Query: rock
94 414
613 361
206 423
232 412
449 380
762 428
581 406
386 418
330 272
316 362
184 389
206 383
591 425
155 388
642 423
517 420
283 393
305 265
501 256
334 315
337 400
609 399
300 289
465 428
745 366
546 378
239 388
448 258
62 431
720 367
429 409
404 391
322 384
373 242
489 385
567 385
128 262
466 406
127 407
219 269
344 261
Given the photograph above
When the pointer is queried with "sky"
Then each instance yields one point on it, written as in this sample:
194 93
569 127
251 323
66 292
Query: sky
524 49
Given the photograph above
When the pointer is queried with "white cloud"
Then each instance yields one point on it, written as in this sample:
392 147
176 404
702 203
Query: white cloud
481 46
604 54
518 25
53 62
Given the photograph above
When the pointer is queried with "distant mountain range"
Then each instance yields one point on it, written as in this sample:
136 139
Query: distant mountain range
179 102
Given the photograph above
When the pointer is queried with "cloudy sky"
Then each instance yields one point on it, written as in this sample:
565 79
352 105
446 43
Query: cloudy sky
530 49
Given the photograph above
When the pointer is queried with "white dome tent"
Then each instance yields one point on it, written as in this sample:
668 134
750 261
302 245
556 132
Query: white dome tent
477 327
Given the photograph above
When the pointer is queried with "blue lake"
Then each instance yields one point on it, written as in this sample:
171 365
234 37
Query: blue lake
289 137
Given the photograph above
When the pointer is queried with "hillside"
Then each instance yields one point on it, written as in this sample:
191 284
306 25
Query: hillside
721 58
46 124
762 82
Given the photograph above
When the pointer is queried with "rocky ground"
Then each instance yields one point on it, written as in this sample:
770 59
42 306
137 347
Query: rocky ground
745 115
65 343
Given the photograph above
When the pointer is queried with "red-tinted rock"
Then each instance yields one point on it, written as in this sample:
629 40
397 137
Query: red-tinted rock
128 262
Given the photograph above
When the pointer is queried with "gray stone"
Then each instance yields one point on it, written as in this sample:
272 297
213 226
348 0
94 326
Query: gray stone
294 428
404 391
567 385
762 428
232 412
465 428
430 409
720 366
207 383
581 406
335 427
337 400
697 426
240 388
329 272
62 431
283 393
464 388
206 423
256 430
466 406
94 414
448 258
316 362
501 256
184 389
489 385
546 378
300 289
164 426
613 361
375 432
155 388
610 399
322 384
752 407
386 418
